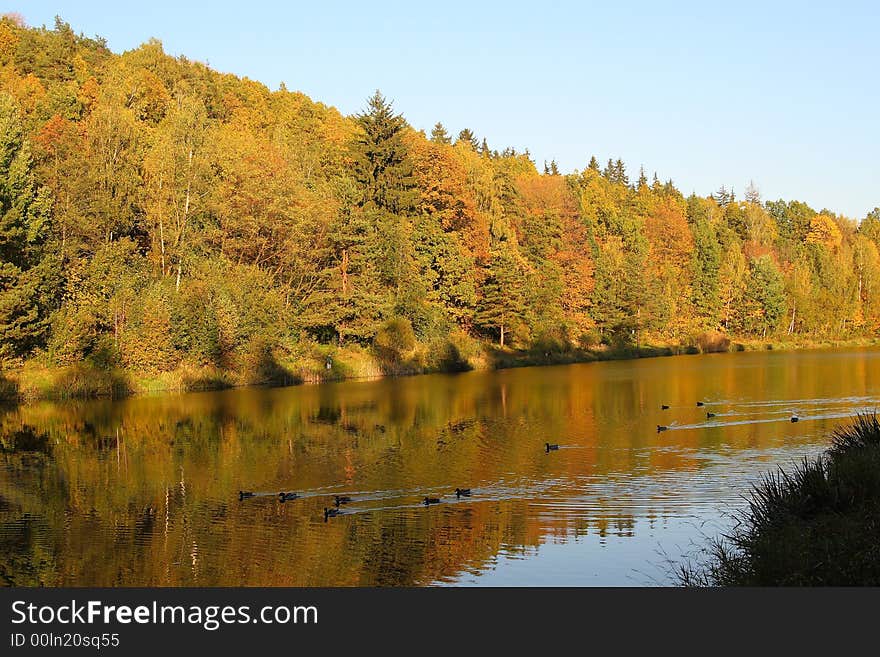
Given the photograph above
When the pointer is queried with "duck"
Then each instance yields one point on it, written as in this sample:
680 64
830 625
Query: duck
710 415
244 494
699 403
330 513
431 500
341 499
286 497
664 407
660 428
462 492
794 418
548 447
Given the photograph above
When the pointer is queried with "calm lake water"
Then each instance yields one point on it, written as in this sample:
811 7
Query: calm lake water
144 491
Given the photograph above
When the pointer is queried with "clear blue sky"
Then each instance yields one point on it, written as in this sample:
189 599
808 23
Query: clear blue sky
706 94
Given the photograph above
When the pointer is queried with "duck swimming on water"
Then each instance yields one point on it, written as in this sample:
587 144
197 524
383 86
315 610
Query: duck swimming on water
548 447
431 500
286 497
699 403
330 513
794 418
664 407
341 499
462 492
710 415
660 428
244 494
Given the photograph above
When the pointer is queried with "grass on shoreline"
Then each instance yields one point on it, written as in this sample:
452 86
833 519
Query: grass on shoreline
816 525
35 381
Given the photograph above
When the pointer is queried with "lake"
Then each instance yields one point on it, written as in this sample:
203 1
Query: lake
145 491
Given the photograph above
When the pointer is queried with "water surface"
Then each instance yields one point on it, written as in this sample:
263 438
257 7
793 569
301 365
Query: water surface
144 491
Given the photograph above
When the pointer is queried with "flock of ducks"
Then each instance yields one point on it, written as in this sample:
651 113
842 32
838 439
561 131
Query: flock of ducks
339 500
709 416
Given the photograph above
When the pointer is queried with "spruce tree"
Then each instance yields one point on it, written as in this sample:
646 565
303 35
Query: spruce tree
439 134
468 138
383 168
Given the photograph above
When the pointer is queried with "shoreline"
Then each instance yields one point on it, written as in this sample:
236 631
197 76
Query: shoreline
33 382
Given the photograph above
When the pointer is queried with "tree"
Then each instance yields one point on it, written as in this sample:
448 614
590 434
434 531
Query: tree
178 179
382 165
439 134
501 306
469 138
26 273
763 303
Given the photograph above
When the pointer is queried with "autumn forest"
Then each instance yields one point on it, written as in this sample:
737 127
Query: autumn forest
157 216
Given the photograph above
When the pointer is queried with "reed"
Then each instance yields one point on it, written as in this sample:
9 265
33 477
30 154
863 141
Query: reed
817 524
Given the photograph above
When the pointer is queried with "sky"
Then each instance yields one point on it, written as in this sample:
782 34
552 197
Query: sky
784 94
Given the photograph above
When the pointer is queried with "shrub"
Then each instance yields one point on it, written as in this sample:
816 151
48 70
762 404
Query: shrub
394 340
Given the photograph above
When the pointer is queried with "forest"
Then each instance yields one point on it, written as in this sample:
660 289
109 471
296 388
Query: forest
163 219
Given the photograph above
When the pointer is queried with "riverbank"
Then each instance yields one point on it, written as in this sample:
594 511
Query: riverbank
35 380
815 525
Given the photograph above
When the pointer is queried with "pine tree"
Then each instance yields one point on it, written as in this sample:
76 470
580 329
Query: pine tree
469 138
752 193
594 164
620 173
609 171
439 134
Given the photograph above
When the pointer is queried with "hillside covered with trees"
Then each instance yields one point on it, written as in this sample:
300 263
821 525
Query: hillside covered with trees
158 216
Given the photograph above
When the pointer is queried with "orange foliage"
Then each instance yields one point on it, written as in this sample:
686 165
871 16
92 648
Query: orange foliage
443 184
52 133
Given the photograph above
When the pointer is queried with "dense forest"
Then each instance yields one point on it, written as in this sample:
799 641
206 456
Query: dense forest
156 215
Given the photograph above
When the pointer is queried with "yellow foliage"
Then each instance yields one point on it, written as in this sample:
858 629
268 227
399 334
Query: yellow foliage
824 230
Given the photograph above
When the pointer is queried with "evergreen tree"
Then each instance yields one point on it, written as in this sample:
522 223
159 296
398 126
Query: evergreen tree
382 165
439 134
469 138
594 164
26 292
501 305
610 172
705 266
752 193
620 173
763 303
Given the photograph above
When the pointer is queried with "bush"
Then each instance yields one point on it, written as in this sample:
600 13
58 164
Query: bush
712 342
393 341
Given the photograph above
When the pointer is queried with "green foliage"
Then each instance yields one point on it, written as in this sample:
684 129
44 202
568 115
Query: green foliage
763 302
394 340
